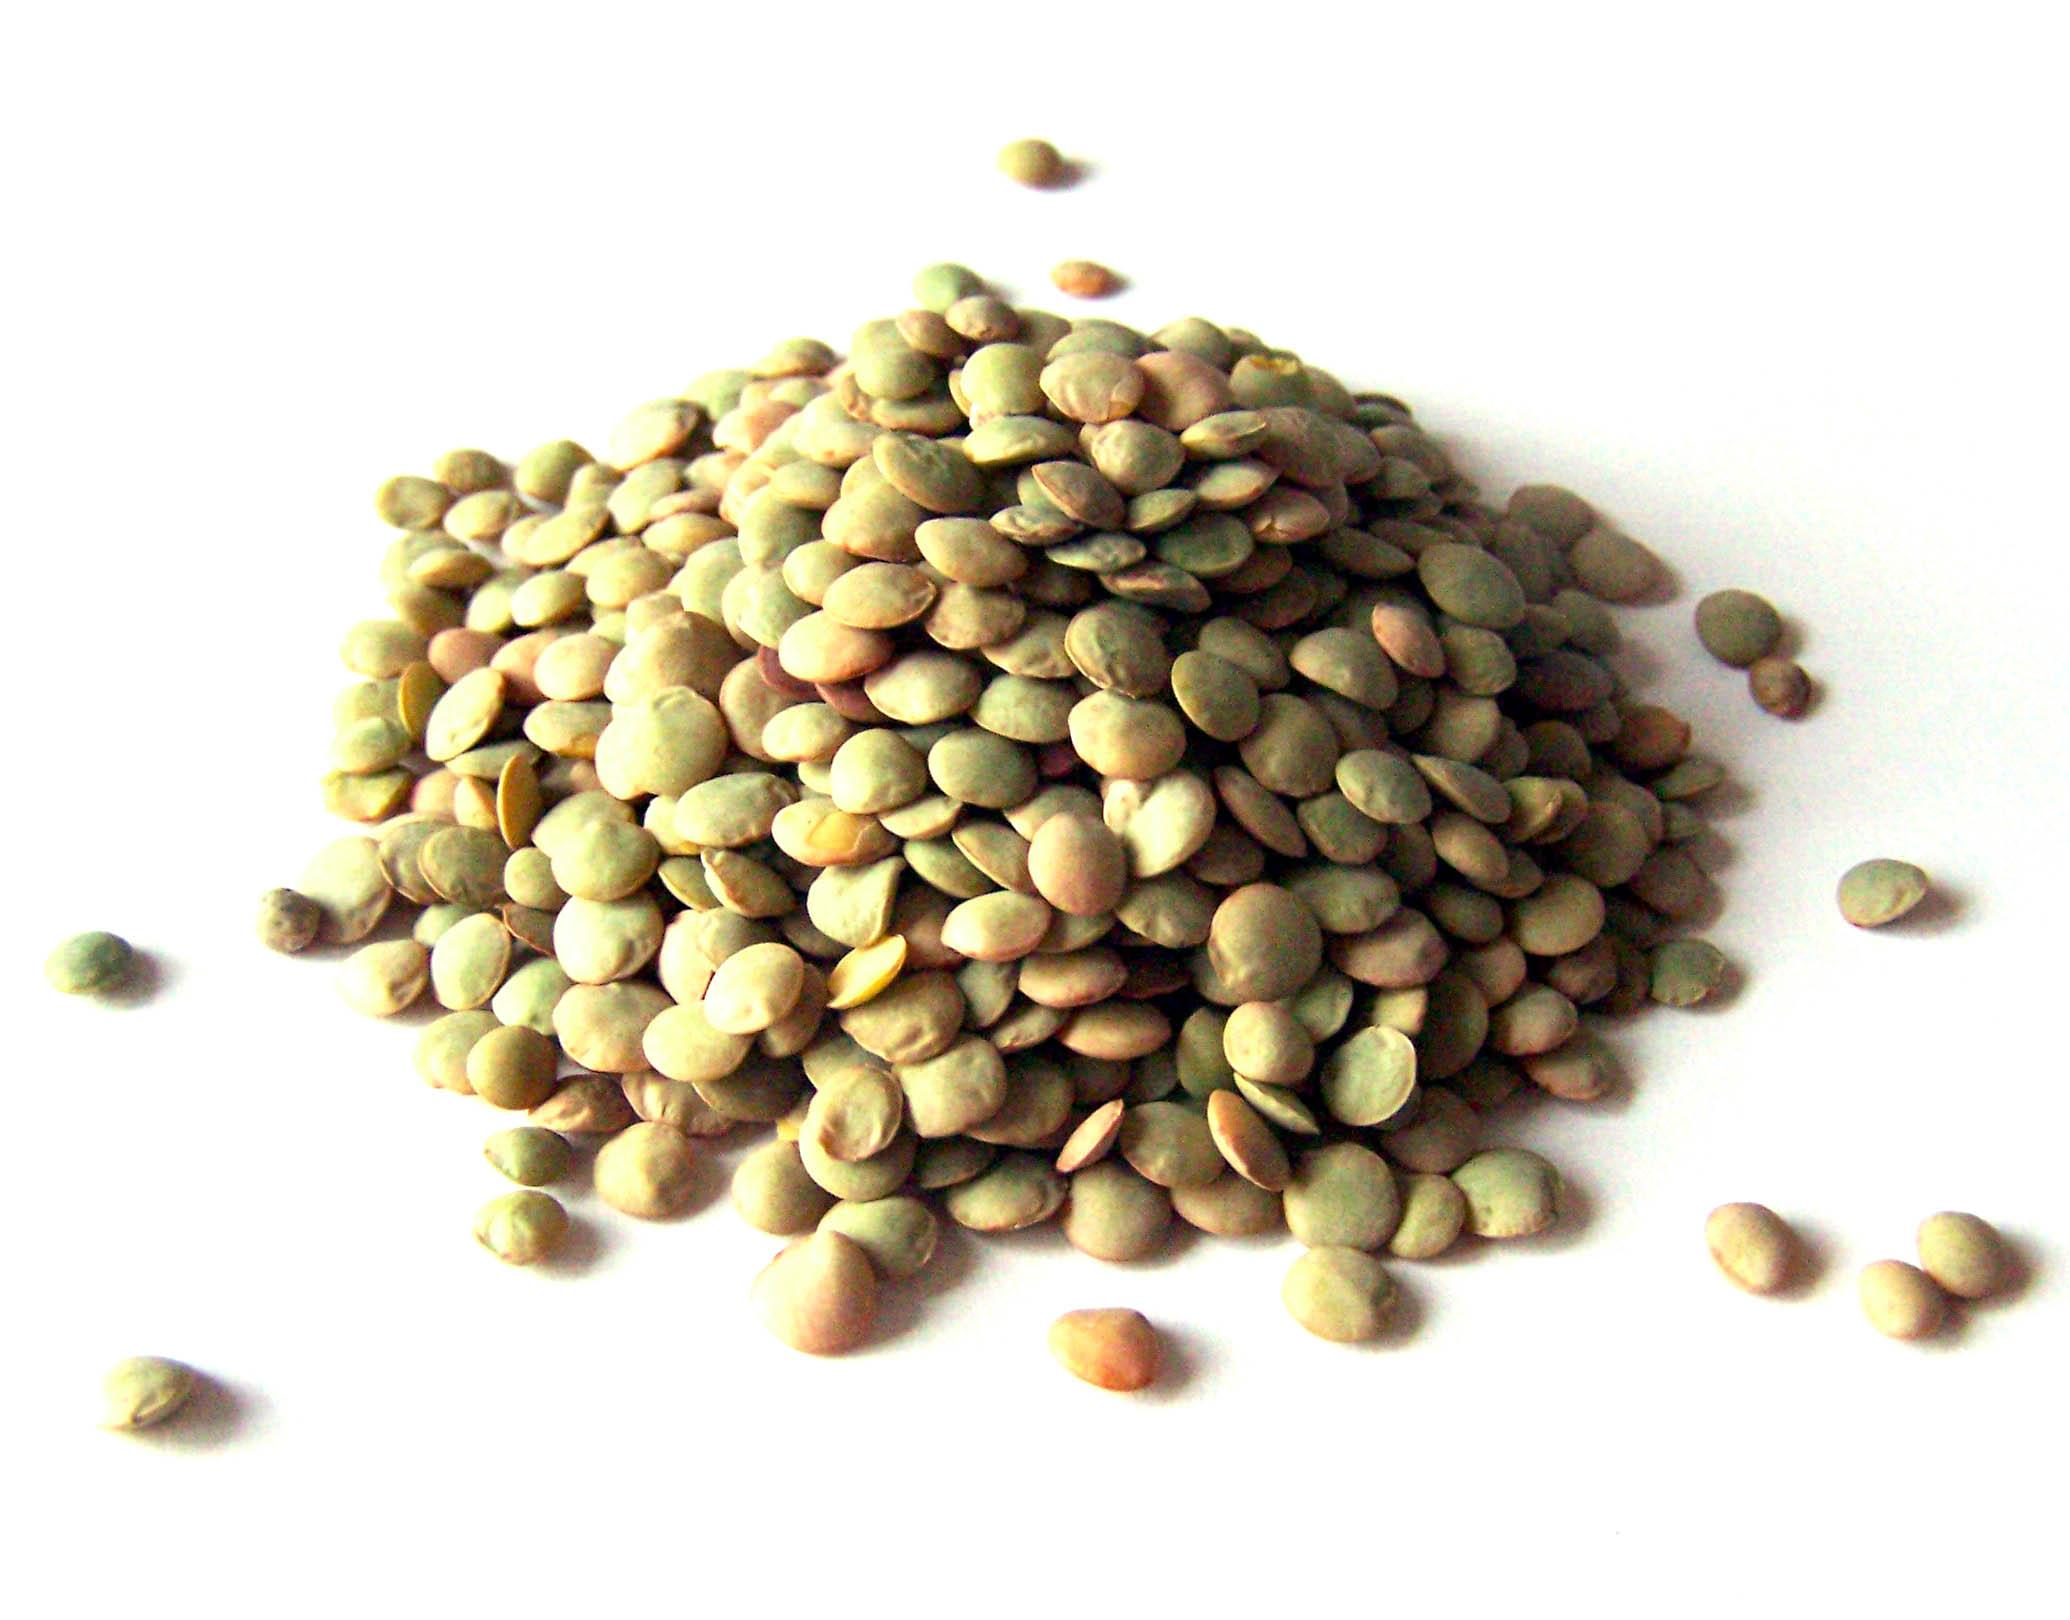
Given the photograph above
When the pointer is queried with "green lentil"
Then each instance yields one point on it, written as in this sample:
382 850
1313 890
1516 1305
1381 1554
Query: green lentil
1684 972
1964 1254
521 1228
1737 627
91 964
1343 1196
1753 1246
1510 1193
898 1234
144 1391
1901 1301
1339 1294
288 921
528 1155
1881 891
1433 1216
1031 162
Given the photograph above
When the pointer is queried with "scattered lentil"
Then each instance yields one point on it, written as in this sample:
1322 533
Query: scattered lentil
90 964
288 922
144 1391
1083 278
1881 891
1901 1301
1737 627
1964 1254
1780 686
1031 163
1753 1246
1112 1348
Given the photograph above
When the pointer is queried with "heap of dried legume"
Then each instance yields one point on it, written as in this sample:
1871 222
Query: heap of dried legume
1040 768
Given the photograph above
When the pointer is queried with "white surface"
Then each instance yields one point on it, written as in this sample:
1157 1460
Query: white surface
1779 289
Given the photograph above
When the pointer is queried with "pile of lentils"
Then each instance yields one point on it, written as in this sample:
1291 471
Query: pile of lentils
1045 771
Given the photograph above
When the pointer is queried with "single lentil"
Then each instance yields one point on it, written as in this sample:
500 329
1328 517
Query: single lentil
1901 1301
1083 278
1780 686
1031 162
1753 1246
1112 1348
144 1391
90 964
1737 627
521 1227
1964 1254
1881 891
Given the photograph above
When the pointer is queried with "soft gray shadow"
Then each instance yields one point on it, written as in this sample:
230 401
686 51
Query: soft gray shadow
1945 908
1448 1259
1180 1367
725 1150
1464 1249
710 1183
1729 798
1405 1319
1521 1104
1047 1237
1948 1338
1639 664
1817 1253
903 1304
321 951
424 1010
1712 851
1577 1214
150 974
1189 1234
399 921
2021 1268
579 1252
581 1174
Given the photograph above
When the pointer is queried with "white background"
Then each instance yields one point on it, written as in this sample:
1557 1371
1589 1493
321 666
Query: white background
1780 288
